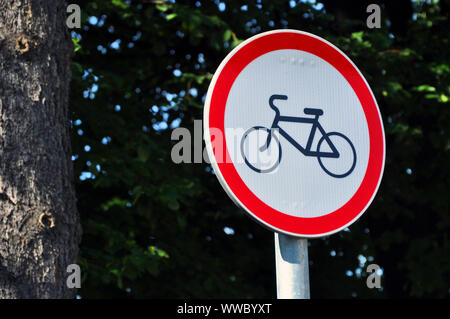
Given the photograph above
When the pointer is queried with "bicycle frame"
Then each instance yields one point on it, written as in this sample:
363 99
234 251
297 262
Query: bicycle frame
292 119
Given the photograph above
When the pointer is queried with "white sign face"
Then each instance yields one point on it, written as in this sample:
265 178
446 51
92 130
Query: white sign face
303 136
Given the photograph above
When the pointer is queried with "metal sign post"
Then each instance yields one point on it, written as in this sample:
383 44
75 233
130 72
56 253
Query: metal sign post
292 269
296 139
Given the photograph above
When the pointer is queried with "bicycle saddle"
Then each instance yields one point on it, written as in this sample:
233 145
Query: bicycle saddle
313 111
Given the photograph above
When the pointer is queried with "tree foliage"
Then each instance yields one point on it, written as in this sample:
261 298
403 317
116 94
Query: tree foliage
153 228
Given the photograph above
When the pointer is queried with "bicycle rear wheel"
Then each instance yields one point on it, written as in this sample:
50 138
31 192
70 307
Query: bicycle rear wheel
256 156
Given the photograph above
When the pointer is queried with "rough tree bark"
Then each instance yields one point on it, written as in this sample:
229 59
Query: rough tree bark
39 224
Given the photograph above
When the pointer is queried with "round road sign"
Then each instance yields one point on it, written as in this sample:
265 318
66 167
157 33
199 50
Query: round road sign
294 133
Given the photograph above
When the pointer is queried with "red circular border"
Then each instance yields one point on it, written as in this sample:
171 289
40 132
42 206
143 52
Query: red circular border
299 41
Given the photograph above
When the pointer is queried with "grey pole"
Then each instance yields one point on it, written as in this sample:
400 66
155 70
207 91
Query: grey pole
292 270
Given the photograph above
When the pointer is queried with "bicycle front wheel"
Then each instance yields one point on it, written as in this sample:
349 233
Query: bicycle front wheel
343 165
256 155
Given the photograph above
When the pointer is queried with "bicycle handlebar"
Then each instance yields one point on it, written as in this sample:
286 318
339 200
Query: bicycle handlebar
276 97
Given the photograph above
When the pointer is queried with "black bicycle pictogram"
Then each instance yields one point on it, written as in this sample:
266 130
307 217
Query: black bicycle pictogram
326 137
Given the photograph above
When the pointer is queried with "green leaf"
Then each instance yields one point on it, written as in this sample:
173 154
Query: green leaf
425 87
227 35
76 44
358 36
171 16
120 3
157 251
443 98
115 201
162 7
432 96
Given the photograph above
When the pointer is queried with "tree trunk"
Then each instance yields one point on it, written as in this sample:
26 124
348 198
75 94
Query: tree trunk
39 223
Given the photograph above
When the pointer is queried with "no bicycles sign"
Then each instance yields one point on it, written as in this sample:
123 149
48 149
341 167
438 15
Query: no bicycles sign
294 133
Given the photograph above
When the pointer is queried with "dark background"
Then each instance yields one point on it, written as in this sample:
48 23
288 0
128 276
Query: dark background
155 229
